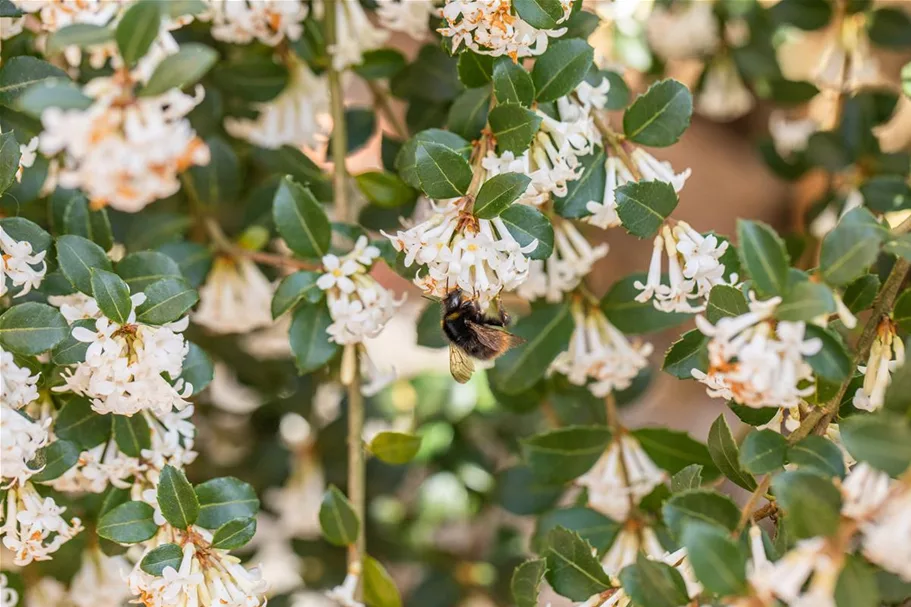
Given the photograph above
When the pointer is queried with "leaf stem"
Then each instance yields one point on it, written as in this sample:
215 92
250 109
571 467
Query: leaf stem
615 141
224 244
382 103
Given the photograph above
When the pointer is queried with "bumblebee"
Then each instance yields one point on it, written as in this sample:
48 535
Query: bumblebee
473 334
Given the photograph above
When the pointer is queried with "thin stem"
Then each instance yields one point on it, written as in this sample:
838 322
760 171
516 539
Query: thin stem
225 245
382 103
615 141
339 142
745 513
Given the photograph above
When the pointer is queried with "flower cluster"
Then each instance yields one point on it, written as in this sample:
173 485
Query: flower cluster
22 440
489 27
886 355
724 96
126 366
694 267
123 151
756 361
20 265
18 387
236 297
571 261
479 256
355 34
266 21
598 352
32 526
411 17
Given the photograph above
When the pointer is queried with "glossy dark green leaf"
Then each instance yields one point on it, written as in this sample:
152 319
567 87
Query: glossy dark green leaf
542 14
128 523
561 455
511 83
592 526
520 492
673 450
251 77
54 460
193 259
184 68
526 582
811 503
385 189
901 314
643 206
803 14
857 585
726 454
572 570
225 499
217 182
832 362
31 328
395 447
588 187
77 257
659 116
763 255
157 559
9 160
81 35
849 249
405 162
143 268
81 220
443 172
717 560
19 228
132 434
310 343
19 73
513 127
805 301
561 68
198 369
137 29
301 220
112 295
234 534
687 353
653 583
176 498
890 28
886 193
379 587
763 451
704 505
883 441
295 288
468 114
634 317
475 70
337 518
859 295
78 423
498 193
167 300
725 301
818 453
48 93
381 63
527 224
688 478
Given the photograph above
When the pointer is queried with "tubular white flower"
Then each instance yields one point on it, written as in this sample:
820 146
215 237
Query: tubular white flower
298 117
632 539
723 95
755 361
411 17
19 265
97 469
864 491
20 441
489 27
600 354
99 581
571 261
236 297
479 256
228 394
122 151
694 267
355 34
683 32
790 135
18 387
621 478
124 368
32 528
848 47
785 578
885 538
297 503
653 169
267 21
886 355
343 595
76 306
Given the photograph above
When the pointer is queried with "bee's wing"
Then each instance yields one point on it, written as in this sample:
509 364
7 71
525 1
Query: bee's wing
460 364
495 338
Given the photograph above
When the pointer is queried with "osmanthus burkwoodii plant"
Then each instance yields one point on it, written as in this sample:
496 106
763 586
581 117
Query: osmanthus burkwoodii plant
199 286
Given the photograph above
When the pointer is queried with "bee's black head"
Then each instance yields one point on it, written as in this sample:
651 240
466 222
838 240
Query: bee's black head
453 299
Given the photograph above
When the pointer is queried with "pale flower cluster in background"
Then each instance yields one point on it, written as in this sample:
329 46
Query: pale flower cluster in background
266 21
236 297
20 266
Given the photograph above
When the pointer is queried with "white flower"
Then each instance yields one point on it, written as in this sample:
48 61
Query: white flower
599 352
694 267
27 156
99 581
125 366
310 598
76 306
354 33
32 527
864 491
790 135
632 539
267 21
621 478
756 362
479 256
8 596
48 592
489 27
298 117
344 595
826 221
886 355
847 62
885 538
571 261
18 387
236 297
56 14
228 394
683 32
723 95
411 17
20 441
124 154
20 265
785 578
337 274
97 469
297 504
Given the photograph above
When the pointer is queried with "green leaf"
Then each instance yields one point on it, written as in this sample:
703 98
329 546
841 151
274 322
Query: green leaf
688 478
20 73
687 353
592 526
295 288
337 518
653 583
301 220
176 498
511 83
889 28
166 301
138 29
803 14
859 295
726 455
588 187
430 334
144 268
54 460
443 172
900 246
309 341
132 434
9 160
8 9
252 78
857 585
80 220
77 257
379 587
805 301
818 453
513 127
80 35
763 451
659 116
811 503
405 162
234 534
520 492
526 582
725 301
643 206
849 249
634 317
546 331
832 362
898 393
498 193
193 259
468 114
21 229
528 224
31 328
673 451
381 63
161 557
561 455
882 440
475 70
71 351
184 68
571 569
49 93
112 295
901 314
701 505
225 499
763 255
561 68
395 447
717 560
219 181
753 416
78 423
886 193
128 523
198 369
385 189
542 14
